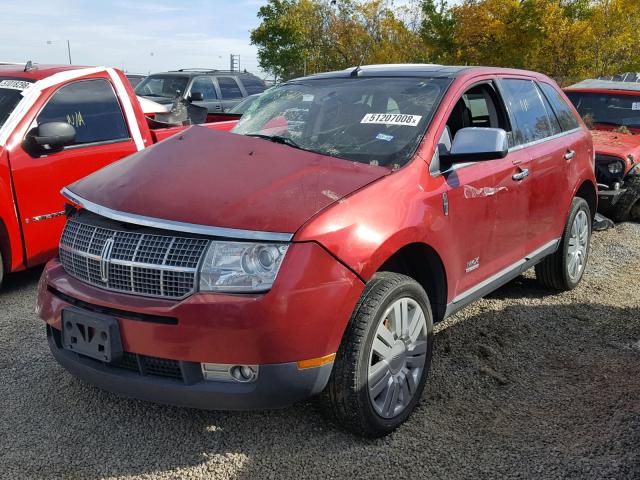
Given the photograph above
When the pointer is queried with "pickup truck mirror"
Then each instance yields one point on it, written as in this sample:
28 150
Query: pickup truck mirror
196 97
475 143
50 137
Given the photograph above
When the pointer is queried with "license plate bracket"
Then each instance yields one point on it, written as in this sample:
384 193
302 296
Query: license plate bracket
92 335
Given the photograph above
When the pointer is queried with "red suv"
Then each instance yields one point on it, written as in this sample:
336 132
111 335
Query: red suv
313 250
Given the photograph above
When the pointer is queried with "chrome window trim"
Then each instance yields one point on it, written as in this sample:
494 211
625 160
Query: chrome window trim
545 139
171 225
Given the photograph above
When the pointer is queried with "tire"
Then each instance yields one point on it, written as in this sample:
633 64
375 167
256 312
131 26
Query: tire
1 270
347 397
628 207
556 270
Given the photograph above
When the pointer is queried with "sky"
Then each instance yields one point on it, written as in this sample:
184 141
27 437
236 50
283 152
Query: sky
139 36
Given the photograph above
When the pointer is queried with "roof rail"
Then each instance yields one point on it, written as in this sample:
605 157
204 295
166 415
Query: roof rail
207 70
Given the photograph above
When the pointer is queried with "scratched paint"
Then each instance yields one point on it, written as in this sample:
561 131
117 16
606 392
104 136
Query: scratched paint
473 192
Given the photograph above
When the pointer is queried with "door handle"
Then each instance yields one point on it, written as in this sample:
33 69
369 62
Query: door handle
569 155
521 175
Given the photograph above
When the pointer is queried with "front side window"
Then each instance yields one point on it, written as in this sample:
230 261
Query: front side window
532 120
10 95
608 108
162 86
205 86
91 107
371 120
565 115
229 88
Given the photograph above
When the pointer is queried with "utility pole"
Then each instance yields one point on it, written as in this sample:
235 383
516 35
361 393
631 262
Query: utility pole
235 62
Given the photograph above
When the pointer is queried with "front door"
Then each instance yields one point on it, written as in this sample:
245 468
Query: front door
102 137
206 87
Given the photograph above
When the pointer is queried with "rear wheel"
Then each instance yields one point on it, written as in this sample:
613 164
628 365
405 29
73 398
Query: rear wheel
564 269
628 207
382 364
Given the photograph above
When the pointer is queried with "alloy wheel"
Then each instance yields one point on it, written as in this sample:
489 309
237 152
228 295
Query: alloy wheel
397 357
578 243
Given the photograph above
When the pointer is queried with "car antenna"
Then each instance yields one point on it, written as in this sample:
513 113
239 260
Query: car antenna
29 66
355 71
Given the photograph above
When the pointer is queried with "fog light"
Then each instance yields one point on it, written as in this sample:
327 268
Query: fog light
220 372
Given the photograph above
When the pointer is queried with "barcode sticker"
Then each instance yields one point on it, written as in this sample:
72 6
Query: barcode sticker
15 84
391 119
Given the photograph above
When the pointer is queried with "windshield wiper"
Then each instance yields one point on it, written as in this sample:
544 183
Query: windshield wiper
276 139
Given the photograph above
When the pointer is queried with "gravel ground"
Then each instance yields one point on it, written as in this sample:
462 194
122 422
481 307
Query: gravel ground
524 383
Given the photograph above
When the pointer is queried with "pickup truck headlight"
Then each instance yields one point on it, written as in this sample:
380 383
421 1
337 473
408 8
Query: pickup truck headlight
615 167
241 266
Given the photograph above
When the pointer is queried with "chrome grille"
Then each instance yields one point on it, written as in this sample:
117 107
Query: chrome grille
145 264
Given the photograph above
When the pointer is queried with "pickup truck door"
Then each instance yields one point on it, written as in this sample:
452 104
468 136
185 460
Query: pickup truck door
102 137
205 86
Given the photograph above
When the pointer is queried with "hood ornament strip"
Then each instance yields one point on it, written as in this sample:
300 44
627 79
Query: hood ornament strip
222 232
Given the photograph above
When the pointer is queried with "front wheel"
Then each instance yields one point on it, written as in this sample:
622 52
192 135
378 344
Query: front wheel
1 270
382 363
564 269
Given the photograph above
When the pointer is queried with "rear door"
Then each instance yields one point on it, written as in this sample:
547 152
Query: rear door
102 136
538 133
206 87
230 92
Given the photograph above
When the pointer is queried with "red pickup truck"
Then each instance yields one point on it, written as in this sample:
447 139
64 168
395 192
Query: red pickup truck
57 125
314 249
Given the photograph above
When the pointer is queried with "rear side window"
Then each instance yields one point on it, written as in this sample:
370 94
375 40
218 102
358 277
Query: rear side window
252 85
205 86
565 116
92 107
525 104
553 120
229 88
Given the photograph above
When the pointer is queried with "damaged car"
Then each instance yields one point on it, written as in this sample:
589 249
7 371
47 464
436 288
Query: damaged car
312 250
612 111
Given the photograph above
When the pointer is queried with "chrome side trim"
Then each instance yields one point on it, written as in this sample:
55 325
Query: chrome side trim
142 220
503 276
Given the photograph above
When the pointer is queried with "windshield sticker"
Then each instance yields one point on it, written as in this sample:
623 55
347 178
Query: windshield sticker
15 84
307 97
635 106
391 119
385 137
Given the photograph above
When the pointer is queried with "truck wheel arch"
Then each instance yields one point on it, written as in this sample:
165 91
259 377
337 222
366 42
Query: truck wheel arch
422 263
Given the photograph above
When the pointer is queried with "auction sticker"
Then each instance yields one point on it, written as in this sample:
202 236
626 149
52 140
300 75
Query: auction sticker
391 119
635 106
15 84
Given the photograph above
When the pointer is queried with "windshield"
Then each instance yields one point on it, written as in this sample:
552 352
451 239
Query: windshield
377 120
162 86
244 105
613 109
10 90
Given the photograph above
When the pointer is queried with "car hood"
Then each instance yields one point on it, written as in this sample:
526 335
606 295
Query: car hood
616 144
221 179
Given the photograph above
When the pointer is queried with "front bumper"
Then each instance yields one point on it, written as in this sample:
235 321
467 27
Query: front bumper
303 317
277 385
608 198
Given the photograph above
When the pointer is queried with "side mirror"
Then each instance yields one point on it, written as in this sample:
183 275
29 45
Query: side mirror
196 97
50 137
475 143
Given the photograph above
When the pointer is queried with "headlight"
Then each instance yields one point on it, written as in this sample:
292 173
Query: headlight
615 167
241 266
